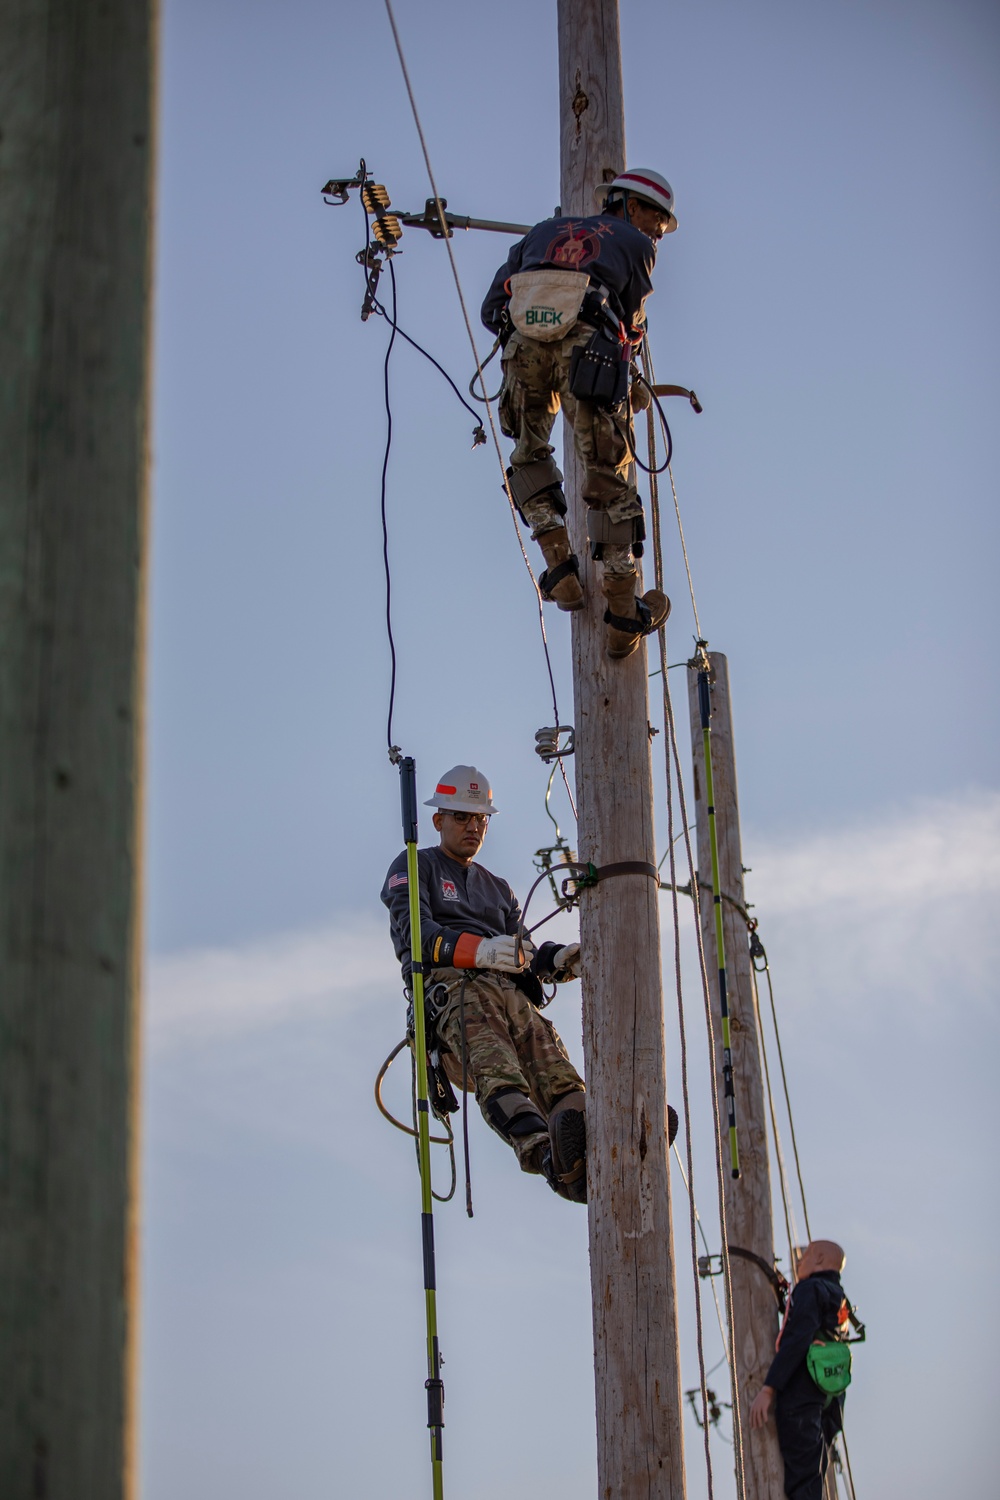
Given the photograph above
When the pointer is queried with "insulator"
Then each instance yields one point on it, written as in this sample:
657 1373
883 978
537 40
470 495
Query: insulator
374 197
547 742
387 230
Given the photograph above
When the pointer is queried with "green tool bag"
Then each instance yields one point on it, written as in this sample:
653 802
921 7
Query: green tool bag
830 1367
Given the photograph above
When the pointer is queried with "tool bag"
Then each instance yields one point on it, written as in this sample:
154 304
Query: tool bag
830 1367
598 371
545 304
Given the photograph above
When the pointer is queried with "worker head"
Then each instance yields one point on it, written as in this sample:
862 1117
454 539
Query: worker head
464 802
645 199
820 1255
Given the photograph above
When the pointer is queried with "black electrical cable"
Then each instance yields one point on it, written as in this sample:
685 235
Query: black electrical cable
385 519
383 312
626 437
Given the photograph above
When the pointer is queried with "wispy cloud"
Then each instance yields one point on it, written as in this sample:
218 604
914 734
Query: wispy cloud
905 904
204 993
944 848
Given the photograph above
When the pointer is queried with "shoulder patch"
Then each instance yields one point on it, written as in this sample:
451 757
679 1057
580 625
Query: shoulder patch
395 881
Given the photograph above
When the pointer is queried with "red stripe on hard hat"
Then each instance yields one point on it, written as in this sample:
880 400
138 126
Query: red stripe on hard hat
446 791
648 181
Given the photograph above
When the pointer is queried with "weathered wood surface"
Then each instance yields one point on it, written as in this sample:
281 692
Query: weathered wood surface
76 115
639 1436
748 1200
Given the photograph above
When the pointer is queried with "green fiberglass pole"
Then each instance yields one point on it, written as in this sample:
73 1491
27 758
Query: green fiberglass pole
705 710
434 1384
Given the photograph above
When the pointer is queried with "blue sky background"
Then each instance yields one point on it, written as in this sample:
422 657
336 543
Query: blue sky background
831 294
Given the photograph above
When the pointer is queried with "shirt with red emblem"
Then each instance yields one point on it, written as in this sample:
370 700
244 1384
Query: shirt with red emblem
609 249
454 899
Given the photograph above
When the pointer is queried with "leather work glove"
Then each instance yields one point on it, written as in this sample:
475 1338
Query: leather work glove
566 963
500 953
640 398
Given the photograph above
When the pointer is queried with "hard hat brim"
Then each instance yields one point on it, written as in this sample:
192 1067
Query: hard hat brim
602 190
454 805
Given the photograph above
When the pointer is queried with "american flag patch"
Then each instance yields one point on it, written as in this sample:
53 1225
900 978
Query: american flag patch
395 881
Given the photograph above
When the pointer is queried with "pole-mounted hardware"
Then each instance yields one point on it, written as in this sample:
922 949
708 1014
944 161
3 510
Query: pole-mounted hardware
433 1384
715 1406
547 742
387 228
430 219
550 861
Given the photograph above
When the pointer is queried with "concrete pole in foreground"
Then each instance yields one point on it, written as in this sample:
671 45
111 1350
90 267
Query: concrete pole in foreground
639 1436
748 1198
76 115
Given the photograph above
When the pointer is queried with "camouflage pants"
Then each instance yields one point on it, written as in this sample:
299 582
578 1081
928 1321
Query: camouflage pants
508 1044
535 386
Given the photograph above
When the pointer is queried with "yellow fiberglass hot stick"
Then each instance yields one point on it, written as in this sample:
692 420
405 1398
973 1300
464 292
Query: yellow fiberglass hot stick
433 1384
705 710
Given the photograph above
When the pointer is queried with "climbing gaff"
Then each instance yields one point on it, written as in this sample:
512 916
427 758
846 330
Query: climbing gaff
433 1384
705 711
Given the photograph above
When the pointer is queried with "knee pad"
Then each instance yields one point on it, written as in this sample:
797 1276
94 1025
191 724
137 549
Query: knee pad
535 479
601 531
513 1115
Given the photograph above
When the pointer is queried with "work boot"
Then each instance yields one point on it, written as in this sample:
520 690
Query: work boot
561 579
628 619
565 1165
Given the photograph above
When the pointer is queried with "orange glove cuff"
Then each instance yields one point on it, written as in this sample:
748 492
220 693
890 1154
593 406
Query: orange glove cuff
465 950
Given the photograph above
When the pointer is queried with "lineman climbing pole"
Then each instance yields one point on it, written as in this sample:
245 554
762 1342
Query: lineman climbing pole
75 231
639 1436
748 1197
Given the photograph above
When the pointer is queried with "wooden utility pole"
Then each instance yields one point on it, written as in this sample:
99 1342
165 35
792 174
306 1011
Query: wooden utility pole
76 114
639 1435
748 1198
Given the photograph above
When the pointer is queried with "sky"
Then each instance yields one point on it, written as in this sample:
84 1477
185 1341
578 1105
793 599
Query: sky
831 295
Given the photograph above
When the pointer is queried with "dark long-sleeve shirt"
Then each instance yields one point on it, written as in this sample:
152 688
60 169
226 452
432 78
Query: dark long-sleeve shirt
813 1311
607 247
454 898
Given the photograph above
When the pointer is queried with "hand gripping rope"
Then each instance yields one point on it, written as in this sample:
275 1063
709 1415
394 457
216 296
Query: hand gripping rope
705 709
433 1384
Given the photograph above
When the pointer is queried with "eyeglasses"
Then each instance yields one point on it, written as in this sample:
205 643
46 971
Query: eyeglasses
466 817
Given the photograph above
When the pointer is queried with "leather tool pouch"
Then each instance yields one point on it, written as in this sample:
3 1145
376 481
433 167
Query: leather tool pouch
598 372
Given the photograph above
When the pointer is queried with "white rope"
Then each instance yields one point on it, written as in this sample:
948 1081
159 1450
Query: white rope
727 1356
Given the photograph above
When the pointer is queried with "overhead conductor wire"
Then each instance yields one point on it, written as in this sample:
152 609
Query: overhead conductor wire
671 750
784 1077
385 532
439 206
786 1202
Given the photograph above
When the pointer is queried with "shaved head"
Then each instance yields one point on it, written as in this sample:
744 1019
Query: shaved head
821 1255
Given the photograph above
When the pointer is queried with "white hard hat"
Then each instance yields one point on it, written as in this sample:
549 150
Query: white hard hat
463 789
644 183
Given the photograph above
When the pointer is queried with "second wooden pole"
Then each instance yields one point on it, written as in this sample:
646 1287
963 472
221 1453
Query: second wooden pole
748 1199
